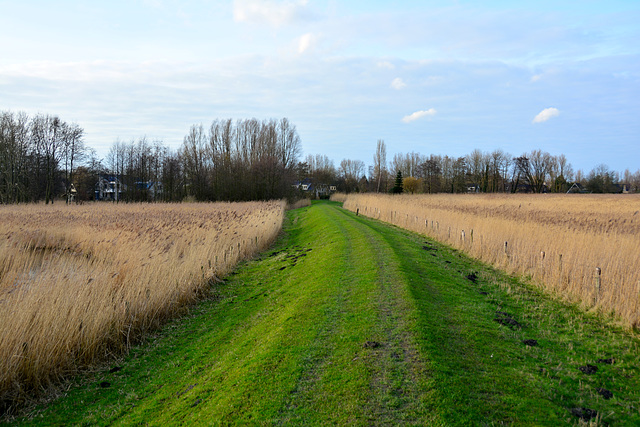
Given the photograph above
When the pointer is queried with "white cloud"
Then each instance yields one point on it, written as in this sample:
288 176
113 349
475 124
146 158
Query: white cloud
306 42
546 114
398 84
386 64
418 115
276 13
535 78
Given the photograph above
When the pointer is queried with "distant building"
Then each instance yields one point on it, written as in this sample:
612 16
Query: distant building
153 188
109 188
473 188
577 188
317 190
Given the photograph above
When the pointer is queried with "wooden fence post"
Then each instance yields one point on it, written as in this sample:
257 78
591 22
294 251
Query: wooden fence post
462 236
597 283
506 252
471 236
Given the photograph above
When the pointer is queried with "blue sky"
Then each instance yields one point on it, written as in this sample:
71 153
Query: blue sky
435 77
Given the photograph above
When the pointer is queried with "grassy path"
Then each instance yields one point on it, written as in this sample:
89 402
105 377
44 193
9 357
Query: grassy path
350 321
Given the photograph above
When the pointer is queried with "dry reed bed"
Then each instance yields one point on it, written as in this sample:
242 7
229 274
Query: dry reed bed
78 283
558 240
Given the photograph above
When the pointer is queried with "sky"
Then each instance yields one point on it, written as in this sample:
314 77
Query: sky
433 77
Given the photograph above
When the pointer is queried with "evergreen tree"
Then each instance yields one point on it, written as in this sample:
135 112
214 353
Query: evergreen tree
397 186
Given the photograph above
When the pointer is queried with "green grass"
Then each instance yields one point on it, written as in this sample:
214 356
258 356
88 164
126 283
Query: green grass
351 321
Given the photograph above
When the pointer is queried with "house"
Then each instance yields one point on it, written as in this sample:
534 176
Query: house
524 188
153 188
318 190
304 185
577 188
473 188
109 188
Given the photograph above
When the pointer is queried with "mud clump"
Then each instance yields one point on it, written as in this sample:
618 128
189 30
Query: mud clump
371 344
507 320
585 414
606 394
588 369
428 247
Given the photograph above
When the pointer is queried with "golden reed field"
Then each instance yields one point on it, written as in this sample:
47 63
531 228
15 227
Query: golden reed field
78 283
585 248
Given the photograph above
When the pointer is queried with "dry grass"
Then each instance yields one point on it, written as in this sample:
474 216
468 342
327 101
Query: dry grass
558 240
302 203
338 197
78 283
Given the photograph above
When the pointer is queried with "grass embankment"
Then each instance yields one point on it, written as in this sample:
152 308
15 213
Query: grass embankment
351 321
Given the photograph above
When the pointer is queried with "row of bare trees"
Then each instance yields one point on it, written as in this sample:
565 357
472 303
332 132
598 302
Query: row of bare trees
241 160
38 157
497 171
42 156
229 160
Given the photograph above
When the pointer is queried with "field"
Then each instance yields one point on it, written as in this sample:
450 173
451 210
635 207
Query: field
81 283
347 320
582 247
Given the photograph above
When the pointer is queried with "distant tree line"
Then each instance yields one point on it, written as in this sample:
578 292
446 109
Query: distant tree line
491 172
38 157
228 161
43 158
242 160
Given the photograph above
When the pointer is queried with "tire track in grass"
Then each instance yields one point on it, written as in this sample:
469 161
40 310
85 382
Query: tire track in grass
451 319
319 356
378 384
400 385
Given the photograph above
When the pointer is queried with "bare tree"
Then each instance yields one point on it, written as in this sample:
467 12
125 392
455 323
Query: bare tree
14 151
351 171
476 164
47 132
380 164
73 152
195 162
534 169
499 166
431 174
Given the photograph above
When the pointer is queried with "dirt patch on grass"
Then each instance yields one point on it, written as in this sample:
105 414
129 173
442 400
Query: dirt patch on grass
507 320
